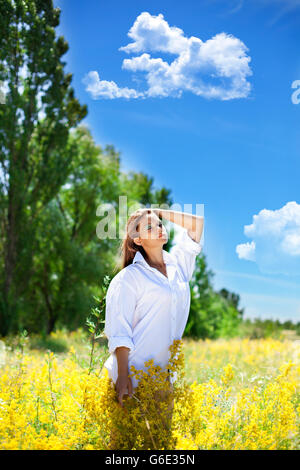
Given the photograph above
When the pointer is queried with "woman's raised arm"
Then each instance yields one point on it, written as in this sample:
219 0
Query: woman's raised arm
193 223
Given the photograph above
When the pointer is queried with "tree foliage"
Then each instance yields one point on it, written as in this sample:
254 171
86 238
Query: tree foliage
39 110
212 314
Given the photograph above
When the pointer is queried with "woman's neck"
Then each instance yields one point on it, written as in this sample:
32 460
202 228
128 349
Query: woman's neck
155 259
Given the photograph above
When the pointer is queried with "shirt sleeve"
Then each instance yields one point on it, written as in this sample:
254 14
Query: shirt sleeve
119 313
185 251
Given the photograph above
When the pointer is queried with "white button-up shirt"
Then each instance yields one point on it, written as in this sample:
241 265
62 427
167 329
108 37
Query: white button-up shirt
146 311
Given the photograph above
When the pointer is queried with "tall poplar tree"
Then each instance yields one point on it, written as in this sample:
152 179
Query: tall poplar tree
35 118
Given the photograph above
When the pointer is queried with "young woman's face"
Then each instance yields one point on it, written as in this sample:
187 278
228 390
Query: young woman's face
152 230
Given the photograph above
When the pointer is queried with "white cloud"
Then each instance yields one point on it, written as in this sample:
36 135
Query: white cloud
246 251
106 89
216 68
276 240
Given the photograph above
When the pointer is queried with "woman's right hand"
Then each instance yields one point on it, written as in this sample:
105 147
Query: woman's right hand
123 384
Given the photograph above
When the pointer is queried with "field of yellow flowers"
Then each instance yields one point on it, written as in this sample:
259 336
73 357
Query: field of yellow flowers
229 394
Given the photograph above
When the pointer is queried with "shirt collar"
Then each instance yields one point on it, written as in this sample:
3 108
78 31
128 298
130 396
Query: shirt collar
167 257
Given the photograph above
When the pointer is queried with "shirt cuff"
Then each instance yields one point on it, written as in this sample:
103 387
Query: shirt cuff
117 341
190 245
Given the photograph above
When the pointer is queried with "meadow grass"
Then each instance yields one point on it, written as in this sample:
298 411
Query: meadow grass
230 394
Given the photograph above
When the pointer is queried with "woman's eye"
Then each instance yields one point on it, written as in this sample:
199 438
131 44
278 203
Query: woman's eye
149 226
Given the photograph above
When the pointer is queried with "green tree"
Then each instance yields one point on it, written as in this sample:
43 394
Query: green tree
70 260
232 298
212 314
39 110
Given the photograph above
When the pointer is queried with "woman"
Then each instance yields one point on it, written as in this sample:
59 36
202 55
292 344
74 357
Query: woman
148 301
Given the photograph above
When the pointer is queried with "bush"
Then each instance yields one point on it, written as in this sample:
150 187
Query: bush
56 345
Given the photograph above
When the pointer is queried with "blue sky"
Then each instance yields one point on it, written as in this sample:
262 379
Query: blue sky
200 98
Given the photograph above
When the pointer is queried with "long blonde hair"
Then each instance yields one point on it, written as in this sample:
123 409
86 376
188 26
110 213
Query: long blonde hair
128 248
